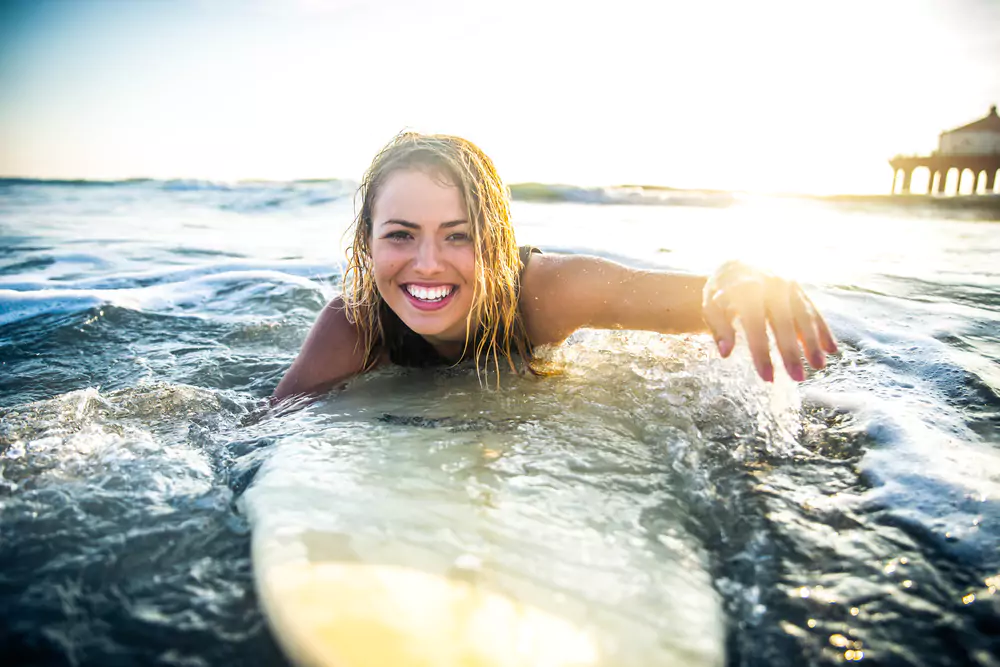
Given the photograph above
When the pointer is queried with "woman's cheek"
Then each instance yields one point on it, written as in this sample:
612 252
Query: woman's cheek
466 263
385 261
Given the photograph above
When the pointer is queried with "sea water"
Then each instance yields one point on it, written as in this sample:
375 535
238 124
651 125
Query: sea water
663 498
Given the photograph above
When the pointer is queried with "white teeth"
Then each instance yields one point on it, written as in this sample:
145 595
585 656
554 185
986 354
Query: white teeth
429 294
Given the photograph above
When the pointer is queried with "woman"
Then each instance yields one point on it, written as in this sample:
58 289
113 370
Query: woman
435 276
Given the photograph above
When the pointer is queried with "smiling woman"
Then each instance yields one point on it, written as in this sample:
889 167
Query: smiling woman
435 226
435 276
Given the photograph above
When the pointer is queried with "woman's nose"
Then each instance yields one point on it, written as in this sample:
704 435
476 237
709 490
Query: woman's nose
428 260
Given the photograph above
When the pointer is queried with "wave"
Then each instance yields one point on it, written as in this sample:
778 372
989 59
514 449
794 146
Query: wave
16 306
126 279
174 184
928 467
238 196
647 195
263 195
202 185
253 194
73 182
219 291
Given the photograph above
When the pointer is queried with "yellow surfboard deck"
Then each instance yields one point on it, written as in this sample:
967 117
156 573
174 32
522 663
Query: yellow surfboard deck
339 614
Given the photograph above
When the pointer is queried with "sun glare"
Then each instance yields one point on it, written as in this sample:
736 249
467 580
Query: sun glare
740 96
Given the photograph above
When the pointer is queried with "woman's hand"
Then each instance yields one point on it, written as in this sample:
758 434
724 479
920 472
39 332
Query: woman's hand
759 299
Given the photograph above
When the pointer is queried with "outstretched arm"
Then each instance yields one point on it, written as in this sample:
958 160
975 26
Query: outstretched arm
563 293
331 354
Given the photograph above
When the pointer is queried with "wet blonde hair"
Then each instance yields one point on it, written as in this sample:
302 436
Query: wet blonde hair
494 327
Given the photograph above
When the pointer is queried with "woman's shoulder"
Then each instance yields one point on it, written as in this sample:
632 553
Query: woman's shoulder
545 293
333 352
541 272
333 320
562 293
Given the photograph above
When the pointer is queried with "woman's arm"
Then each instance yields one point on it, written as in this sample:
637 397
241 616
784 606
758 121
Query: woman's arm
563 293
331 354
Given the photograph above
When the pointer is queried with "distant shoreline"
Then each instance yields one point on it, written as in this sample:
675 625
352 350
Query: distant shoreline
979 207
971 207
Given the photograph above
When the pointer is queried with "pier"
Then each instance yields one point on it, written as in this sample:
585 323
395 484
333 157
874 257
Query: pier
966 155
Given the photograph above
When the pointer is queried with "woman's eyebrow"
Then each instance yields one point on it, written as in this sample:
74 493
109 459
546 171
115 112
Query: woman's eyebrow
413 225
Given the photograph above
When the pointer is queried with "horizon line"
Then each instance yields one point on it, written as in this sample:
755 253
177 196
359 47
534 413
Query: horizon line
643 186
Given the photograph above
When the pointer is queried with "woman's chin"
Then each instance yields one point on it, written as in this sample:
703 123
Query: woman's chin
432 325
437 332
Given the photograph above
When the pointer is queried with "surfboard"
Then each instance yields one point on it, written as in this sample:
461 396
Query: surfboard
386 533
327 614
326 608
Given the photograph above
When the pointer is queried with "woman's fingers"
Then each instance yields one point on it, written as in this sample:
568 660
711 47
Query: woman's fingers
746 300
779 311
805 316
825 337
759 301
719 320
805 328
753 317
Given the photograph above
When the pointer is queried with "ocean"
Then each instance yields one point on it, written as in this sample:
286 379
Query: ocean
667 501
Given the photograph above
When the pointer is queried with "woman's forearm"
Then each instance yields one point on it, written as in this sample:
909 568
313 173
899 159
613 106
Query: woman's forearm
563 293
655 301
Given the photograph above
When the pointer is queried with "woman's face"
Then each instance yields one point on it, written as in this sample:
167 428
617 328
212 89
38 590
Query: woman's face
423 254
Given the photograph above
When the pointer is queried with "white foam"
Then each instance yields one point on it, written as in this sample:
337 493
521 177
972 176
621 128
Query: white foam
16 305
193 291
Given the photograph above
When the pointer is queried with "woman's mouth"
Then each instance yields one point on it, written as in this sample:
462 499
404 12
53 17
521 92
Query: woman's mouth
429 298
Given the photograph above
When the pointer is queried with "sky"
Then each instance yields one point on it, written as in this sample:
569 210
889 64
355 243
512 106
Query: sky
767 96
